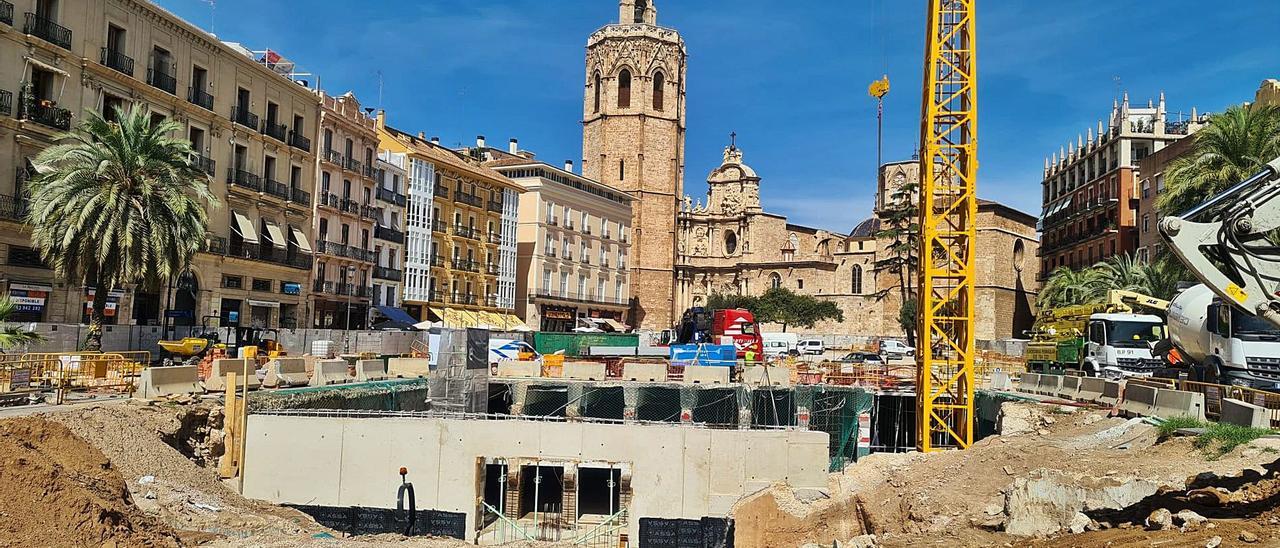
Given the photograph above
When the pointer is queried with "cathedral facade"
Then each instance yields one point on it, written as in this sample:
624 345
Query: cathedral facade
686 250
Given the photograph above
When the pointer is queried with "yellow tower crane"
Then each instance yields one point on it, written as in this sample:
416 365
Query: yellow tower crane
948 212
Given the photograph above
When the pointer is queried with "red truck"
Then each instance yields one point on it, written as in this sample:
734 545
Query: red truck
735 326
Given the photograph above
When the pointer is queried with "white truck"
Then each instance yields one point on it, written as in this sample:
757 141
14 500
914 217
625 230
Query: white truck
1120 344
1223 344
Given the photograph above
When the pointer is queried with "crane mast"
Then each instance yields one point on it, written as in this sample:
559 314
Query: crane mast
948 213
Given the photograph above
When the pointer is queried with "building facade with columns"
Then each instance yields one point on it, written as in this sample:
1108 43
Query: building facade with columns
633 132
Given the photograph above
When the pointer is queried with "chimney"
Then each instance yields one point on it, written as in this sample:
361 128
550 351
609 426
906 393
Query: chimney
435 141
513 147
568 166
382 118
422 136
479 141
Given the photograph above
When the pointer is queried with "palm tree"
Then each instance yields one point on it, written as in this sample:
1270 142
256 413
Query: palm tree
1067 286
1122 272
118 203
11 335
1233 147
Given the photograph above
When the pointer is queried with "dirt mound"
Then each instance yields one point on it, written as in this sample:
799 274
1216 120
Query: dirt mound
56 490
1061 469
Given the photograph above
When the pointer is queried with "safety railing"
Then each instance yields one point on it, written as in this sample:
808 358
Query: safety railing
607 534
63 372
502 529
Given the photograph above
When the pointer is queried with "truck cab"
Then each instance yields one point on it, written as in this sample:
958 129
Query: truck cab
1244 349
1120 344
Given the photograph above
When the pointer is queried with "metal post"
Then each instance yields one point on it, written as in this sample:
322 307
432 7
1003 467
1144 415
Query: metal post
537 483
502 500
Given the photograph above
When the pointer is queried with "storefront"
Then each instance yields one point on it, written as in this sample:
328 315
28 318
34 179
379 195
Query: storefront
557 319
260 312
111 314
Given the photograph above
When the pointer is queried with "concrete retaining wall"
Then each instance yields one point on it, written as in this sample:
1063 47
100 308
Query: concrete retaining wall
1090 389
1029 382
217 381
1048 385
370 370
678 471
1110 392
156 382
1070 387
330 372
1177 403
284 372
1139 399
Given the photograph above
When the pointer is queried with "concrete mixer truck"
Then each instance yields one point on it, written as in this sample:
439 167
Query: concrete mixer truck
1220 343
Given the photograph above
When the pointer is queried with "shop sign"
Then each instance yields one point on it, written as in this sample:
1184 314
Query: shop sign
28 297
552 314
113 301
291 288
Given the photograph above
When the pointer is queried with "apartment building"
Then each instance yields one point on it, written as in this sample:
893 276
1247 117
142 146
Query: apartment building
390 181
345 214
460 248
1089 190
574 240
247 121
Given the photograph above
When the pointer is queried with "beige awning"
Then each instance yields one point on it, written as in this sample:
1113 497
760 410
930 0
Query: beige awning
276 235
46 66
300 240
614 324
244 227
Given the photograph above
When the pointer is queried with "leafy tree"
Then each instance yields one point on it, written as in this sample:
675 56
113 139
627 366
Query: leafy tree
907 315
900 225
722 301
12 336
1067 286
781 305
1233 147
118 203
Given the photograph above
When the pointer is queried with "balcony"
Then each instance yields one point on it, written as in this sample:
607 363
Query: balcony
553 221
299 196
298 141
495 238
389 234
463 298
276 188
391 197
344 251
200 98
437 261
279 132
341 289
468 199
116 61
495 207
13 208
384 273
48 31
492 269
6 102
332 156
44 112
162 80
242 116
465 265
466 232
605 235
328 199
437 296
588 297
370 212
353 165
240 177
349 206
218 245
440 191
204 164
368 171
6 13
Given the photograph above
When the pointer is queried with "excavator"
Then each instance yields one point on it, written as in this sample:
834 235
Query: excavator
1228 242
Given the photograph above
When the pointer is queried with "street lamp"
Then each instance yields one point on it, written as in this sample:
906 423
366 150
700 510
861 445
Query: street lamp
351 288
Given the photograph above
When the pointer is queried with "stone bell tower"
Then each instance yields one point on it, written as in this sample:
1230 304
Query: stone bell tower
633 127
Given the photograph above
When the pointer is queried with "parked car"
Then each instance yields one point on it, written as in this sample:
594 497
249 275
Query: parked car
812 347
891 349
780 344
866 358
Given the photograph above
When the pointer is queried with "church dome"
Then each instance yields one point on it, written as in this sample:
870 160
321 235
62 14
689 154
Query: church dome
866 229
732 169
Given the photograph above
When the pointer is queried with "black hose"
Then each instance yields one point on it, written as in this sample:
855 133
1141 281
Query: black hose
413 506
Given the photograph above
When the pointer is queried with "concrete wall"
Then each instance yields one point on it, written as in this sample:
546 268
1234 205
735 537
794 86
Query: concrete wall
677 472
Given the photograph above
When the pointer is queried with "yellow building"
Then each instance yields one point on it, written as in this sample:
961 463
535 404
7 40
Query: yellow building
460 248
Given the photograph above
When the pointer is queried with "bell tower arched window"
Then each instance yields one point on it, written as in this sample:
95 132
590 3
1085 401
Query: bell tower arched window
659 85
624 89
595 86
775 281
641 6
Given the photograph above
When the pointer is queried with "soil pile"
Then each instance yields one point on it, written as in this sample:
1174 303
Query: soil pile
1064 471
56 490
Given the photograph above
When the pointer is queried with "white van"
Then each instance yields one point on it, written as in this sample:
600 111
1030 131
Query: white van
779 344
812 346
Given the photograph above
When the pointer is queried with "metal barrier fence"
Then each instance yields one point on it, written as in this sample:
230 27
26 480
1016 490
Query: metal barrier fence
64 372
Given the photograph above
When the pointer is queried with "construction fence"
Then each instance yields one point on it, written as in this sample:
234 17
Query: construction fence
145 338
63 372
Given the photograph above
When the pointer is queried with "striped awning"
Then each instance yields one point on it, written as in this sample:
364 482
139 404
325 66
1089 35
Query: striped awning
244 227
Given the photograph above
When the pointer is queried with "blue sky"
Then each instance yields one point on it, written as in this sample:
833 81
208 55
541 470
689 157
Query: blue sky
789 77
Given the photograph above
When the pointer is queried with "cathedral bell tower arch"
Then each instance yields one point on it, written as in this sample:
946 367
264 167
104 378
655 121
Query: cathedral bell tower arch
633 131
